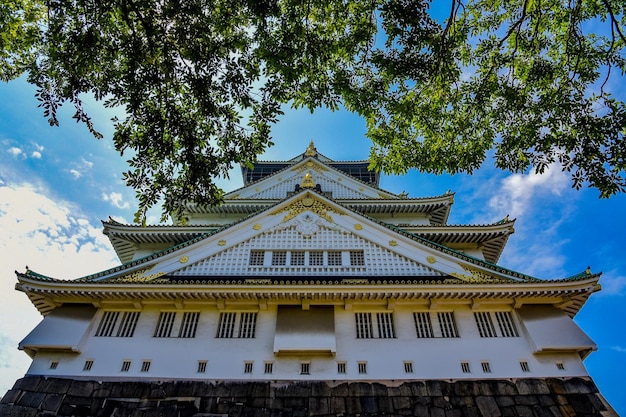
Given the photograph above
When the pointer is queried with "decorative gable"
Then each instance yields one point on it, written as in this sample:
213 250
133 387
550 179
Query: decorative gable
307 243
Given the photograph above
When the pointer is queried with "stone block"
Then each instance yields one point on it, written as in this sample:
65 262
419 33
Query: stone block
526 400
101 391
401 403
433 388
488 406
29 383
421 410
353 405
360 389
442 402
505 400
567 411
320 389
17 411
486 387
51 402
419 389
337 405
341 390
55 385
532 386
369 405
453 412
319 406
295 402
545 400
379 390
502 387
81 388
31 399
387 405
437 412
579 386
11 396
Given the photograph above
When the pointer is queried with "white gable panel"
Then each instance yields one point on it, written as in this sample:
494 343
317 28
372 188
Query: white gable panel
376 260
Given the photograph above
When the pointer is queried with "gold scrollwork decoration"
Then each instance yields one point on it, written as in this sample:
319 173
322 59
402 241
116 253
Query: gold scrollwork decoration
183 259
306 203
222 242
431 259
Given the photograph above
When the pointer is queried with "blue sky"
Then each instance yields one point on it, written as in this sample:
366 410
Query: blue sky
57 184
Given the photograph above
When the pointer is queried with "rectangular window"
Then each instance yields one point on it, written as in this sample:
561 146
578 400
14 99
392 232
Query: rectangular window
362 367
257 257
145 366
297 258
247 367
364 326
226 325
189 325
88 365
305 368
247 325
202 367
560 366
54 364
316 258
485 324
423 326
164 325
107 324
128 324
486 367
125 366
357 258
341 367
269 367
408 367
506 324
279 258
447 324
524 366
334 258
465 367
385 326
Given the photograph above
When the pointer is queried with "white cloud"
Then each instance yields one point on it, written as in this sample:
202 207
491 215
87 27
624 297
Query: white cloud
81 168
621 349
75 174
116 199
36 155
53 238
517 191
613 285
15 151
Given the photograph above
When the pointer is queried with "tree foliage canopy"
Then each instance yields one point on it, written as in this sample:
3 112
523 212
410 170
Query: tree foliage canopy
202 81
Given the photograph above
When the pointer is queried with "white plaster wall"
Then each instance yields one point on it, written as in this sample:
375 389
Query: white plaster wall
436 358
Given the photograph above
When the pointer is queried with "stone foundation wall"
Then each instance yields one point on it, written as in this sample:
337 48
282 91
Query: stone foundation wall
49 397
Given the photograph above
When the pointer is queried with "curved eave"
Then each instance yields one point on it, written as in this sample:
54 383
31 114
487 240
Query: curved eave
232 207
568 294
491 238
437 208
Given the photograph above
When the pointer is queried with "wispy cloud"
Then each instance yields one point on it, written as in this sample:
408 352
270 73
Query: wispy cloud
517 191
116 199
621 349
613 285
15 151
80 168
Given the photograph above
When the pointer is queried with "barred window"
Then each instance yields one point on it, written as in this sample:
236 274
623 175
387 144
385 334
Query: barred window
257 257
341 367
447 324
386 329
201 367
423 326
465 367
145 366
297 258
506 324
128 324
524 366
247 325
362 367
107 324
364 326
88 365
357 258
54 364
164 325
485 324
486 367
247 367
226 326
408 367
384 326
279 258
189 325
269 367
316 258
305 368
334 258
125 366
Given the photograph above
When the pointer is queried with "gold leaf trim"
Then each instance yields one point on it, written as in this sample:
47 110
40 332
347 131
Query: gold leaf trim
306 204
183 259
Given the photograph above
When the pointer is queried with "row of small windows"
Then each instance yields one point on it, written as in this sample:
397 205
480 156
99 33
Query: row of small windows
306 258
368 325
305 366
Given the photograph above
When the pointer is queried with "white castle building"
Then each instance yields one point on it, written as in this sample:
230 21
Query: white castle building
309 272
